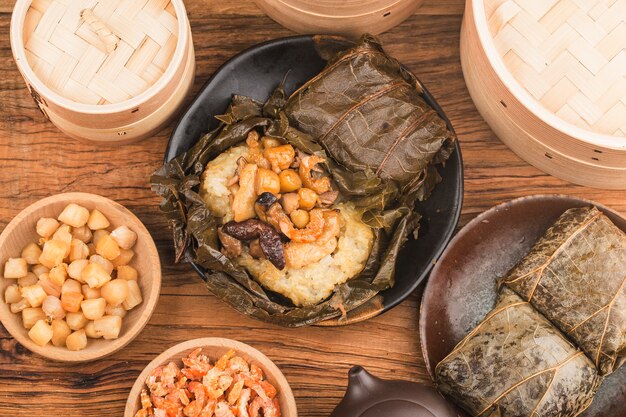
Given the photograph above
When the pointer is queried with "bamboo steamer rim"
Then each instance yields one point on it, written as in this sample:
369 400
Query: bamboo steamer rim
524 97
210 346
378 10
17 45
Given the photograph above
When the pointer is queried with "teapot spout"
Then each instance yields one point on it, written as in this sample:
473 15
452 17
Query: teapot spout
360 382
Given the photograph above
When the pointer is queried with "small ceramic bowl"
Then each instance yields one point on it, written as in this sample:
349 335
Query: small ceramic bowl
214 348
21 231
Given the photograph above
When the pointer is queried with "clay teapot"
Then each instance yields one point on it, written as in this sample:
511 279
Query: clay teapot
368 396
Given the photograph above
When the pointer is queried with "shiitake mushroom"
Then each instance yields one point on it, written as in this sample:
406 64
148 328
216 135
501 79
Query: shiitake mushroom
269 238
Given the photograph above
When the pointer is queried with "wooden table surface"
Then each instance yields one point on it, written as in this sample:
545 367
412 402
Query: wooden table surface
37 161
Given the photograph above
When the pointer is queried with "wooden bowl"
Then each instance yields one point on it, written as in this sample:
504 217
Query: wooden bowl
462 286
214 348
553 94
21 231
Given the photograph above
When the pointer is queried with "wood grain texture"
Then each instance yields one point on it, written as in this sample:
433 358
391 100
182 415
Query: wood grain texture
37 161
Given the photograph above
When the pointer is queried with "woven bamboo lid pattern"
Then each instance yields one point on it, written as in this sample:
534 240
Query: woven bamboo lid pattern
570 55
100 52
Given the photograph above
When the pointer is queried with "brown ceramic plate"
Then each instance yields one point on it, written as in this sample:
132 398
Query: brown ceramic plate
462 286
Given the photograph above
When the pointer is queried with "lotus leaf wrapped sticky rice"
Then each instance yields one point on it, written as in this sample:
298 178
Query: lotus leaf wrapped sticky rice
515 363
287 228
575 276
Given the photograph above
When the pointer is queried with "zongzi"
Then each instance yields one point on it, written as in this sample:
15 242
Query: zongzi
515 363
366 110
575 276
288 229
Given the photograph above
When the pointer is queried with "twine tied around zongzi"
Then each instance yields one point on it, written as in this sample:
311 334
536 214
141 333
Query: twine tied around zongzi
105 34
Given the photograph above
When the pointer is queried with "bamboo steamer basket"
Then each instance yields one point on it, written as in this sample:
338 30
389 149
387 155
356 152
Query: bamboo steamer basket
349 18
550 79
105 71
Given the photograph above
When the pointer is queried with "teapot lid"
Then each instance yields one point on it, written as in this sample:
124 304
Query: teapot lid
368 396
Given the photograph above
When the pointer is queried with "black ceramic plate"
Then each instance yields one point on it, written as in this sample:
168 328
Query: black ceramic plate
462 287
256 72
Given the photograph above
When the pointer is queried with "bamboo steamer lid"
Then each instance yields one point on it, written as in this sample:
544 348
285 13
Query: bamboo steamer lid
105 70
143 128
550 79
341 17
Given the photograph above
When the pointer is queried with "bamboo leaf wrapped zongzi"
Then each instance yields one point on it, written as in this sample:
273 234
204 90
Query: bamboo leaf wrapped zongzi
575 276
515 363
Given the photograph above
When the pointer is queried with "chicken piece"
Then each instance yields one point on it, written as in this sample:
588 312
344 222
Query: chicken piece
231 247
277 217
256 152
255 249
243 203
280 157
299 255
